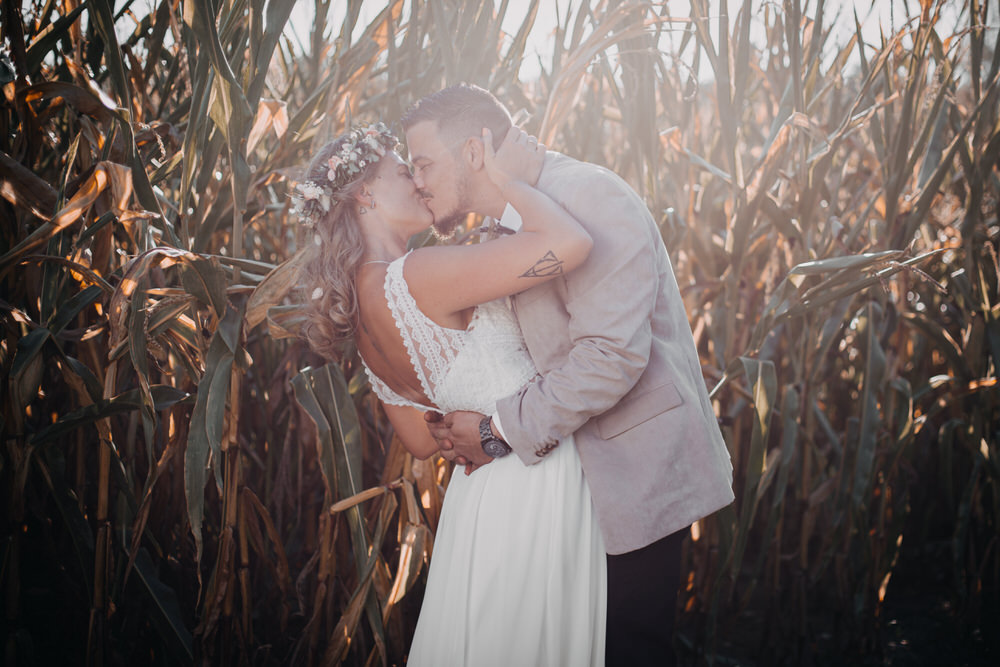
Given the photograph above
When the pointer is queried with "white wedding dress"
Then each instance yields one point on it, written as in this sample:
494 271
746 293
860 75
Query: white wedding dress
518 574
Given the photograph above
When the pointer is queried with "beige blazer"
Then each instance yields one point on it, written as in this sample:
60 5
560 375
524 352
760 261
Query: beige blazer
618 368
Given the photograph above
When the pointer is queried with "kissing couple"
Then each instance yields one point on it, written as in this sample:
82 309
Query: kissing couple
555 363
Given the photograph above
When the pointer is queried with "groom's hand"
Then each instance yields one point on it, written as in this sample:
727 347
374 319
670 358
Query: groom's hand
457 435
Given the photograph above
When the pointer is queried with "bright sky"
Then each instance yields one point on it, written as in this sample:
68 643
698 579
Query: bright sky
875 15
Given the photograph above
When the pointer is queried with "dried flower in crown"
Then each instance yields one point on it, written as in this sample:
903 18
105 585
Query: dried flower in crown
362 146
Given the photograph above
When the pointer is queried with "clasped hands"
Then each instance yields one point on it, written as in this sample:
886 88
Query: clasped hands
457 435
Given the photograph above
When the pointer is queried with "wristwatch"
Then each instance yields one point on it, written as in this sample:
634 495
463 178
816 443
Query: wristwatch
492 445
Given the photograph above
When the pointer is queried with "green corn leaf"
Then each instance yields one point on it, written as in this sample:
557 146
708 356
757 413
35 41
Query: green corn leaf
76 524
846 263
100 11
90 381
197 136
306 397
164 396
73 306
200 436
963 524
45 42
277 17
515 52
832 326
28 349
873 381
27 369
932 186
215 407
140 359
162 315
205 279
784 463
763 387
323 394
167 617
943 341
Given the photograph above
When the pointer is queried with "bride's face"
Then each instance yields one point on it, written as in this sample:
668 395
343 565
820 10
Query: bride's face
397 199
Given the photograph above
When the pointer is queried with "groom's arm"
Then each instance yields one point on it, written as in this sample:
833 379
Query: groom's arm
610 303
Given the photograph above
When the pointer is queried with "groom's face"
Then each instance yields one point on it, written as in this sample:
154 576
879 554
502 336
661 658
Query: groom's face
439 174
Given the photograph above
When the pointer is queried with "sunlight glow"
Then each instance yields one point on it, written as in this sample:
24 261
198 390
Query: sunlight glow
878 19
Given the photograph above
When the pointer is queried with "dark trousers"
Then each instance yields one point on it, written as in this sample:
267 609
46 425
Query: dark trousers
642 599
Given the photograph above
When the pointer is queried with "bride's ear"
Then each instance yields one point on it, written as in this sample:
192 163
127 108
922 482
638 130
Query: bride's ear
362 195
472 153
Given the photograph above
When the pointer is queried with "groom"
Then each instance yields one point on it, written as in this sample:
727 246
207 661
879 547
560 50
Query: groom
617 362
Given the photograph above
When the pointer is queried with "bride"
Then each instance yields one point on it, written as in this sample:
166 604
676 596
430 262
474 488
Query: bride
518 574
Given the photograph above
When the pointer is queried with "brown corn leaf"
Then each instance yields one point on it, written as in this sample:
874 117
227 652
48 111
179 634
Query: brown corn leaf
270 114
106 175
358 498
285 321
413 550
83 274
24 189
273 289
343 634
93 102
425 475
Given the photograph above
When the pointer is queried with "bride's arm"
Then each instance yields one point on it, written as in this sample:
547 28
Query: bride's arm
410 427
449 279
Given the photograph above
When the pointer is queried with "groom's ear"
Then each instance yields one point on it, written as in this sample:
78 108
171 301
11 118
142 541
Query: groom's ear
472 153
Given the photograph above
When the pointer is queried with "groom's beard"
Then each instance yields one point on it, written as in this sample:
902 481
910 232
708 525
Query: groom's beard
445 229
445 225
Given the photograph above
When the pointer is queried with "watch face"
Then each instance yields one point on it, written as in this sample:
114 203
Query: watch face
495 448
492 445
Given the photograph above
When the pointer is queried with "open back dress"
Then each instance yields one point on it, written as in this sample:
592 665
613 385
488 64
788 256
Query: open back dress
518 573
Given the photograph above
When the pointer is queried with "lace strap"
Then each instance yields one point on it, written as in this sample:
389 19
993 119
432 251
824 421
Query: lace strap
383 391
431 347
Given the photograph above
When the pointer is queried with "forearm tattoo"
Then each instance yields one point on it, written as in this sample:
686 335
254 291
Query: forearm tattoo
549 265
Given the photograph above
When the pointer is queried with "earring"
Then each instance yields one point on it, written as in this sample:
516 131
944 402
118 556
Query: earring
361 209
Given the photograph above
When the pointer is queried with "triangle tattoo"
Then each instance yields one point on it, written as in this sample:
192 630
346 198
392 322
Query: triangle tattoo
549 265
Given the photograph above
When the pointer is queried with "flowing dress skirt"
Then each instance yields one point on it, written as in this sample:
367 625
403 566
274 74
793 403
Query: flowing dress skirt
518 573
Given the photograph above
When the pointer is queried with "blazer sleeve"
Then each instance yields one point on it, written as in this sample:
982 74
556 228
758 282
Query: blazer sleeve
610 299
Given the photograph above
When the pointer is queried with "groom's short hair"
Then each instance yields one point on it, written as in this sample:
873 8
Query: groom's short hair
461 111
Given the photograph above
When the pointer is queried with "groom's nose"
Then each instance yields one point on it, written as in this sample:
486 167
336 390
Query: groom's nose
418 180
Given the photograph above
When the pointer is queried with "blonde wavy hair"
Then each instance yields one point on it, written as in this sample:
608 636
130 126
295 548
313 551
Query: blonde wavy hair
337 248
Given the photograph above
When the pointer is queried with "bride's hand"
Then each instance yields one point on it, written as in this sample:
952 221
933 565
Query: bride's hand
519 157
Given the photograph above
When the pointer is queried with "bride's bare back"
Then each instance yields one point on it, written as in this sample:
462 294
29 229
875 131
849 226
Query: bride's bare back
379 340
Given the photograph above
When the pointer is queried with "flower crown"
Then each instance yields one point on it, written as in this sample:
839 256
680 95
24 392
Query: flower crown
362 146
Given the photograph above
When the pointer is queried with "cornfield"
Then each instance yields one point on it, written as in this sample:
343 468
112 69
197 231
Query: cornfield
183 481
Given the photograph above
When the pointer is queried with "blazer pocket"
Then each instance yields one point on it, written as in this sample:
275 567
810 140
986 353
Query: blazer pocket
637 409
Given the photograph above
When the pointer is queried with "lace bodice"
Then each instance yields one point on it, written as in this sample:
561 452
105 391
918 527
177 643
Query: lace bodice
458 369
